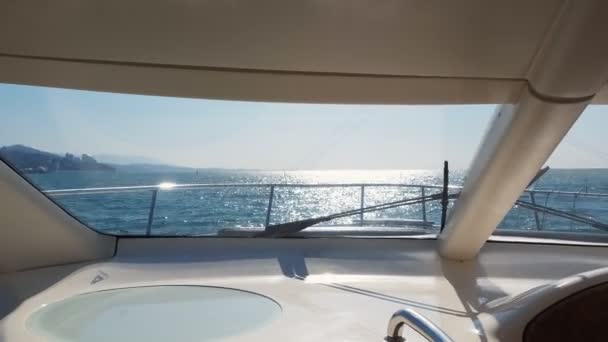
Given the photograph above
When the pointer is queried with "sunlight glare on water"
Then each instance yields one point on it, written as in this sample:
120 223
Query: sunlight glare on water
204 211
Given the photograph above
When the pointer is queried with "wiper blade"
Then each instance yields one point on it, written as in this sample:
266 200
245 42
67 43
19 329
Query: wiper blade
564 214
538 175
288 228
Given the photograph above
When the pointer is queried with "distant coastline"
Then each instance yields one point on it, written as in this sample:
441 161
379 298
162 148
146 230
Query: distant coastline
30 160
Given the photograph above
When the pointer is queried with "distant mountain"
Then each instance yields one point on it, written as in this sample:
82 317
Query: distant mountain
30 160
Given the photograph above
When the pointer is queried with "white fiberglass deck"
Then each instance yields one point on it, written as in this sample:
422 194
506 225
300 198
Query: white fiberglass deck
328 289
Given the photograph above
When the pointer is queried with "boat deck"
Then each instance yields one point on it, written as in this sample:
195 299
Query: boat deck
328 289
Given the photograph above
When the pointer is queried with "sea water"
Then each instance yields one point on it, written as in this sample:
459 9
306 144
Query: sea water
205 211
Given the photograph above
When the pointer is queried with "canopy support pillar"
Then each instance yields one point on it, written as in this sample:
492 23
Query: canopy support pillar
519 141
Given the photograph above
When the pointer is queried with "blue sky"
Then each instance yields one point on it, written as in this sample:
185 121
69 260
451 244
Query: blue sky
209 133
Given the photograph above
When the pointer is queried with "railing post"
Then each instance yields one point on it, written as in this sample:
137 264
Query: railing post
535 211
423 206
269 210
151 212
362 204
574 207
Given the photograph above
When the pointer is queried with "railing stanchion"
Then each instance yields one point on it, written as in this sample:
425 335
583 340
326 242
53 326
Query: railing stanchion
269 210
151 213
362 204
423 206
533 200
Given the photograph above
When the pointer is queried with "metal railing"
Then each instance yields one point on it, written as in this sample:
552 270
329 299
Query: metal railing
536 208
154 189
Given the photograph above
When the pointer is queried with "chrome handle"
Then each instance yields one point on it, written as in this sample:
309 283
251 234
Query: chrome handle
417 322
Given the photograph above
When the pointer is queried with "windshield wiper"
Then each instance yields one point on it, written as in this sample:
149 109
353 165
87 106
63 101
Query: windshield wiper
288 228
538 175
590 220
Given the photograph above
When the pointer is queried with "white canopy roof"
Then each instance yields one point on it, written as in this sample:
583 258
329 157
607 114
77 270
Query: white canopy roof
397 51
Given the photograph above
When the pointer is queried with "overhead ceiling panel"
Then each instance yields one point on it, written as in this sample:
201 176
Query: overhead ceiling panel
465 38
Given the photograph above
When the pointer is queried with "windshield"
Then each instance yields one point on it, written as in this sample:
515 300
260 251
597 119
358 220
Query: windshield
160 166
144 165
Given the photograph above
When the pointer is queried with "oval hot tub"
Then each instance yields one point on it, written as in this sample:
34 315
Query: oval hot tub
154 313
